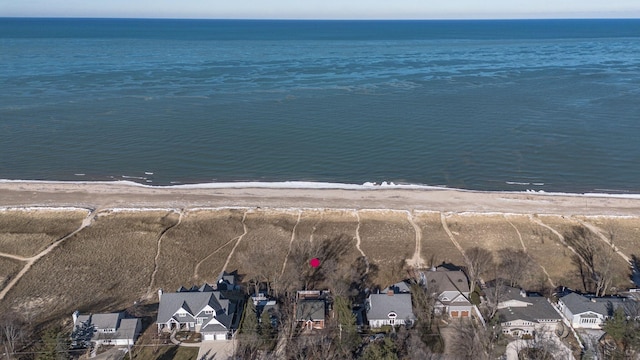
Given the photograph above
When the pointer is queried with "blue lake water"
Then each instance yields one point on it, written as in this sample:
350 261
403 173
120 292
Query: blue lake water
548 105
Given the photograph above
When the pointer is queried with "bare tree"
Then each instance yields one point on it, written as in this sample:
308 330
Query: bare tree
514 265
478 261
12 333
469 340
593 260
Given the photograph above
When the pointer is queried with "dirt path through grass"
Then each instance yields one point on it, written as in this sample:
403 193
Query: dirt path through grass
443 220
293 236
32 260
562 240
197 267
596 230
359 240
524 248
416 261
155 260
246 230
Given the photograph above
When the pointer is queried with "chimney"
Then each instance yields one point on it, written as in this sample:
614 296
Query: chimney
593 300
159 294
523 293
75 317
390 292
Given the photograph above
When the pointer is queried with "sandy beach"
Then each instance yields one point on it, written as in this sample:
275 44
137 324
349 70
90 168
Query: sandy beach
103 195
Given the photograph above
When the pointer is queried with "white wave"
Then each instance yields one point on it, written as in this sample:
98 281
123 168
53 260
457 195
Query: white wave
148 173
79 174
318 185
517 183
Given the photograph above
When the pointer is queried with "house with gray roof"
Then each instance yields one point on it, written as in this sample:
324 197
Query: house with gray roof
588 312
105 329
452 290
311 308
521 313
213 312
390 307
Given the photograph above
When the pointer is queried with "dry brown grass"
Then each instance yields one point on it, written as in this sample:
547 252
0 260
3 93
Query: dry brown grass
26 233
564 225
265 227
200 237
436 247
104 267
624 231
488 231
8 269
109 264
545 249
388 240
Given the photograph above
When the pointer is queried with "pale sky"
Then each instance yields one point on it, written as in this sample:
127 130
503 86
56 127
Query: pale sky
324 9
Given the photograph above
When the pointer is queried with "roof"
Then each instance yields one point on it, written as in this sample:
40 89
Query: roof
194 303
539 309
310 310
579 304
399 287
445 280
101 321
380 305
124 328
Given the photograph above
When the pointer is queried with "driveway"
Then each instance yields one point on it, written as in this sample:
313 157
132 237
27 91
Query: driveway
563 352
216 350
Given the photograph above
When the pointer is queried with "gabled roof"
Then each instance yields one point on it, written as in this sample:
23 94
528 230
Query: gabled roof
579 304
444 280
380 305
124 328
310 310
194 302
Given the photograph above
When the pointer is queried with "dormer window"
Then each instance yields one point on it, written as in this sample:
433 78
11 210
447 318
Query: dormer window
182 314
208 312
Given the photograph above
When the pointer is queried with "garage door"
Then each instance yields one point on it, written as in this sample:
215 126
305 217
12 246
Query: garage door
454 314
209 337
221 336
464 314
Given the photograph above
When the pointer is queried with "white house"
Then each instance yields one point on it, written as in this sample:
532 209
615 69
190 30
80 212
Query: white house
522 314
588 313
391 307
212 312
452 288
105 329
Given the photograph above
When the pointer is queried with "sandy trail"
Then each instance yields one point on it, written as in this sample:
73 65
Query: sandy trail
32 260
246 230
196 269
443 220
416 261
599 233
524 248
293 236
359 240
155 260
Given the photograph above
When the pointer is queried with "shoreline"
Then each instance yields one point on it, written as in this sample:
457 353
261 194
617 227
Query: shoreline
308 195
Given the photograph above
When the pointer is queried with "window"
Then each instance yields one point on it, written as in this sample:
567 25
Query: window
182 314
199 320
208 312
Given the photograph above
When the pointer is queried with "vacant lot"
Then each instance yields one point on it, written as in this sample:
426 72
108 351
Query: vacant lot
106 266
624 232
436 247
388 240
195 250
26 233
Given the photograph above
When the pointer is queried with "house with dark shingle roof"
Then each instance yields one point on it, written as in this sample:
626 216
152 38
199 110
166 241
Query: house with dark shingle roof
311 308
390 307
105 329
452 290
212 311
521 313
588 312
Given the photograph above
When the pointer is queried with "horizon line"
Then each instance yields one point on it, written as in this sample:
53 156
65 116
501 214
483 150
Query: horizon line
319 19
